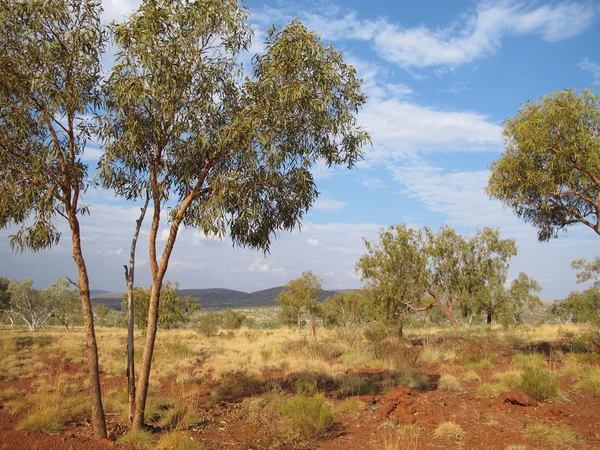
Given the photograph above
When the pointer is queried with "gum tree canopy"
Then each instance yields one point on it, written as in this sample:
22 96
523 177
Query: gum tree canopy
227 154
550 171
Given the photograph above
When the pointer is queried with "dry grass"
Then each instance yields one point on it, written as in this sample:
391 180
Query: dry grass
450 431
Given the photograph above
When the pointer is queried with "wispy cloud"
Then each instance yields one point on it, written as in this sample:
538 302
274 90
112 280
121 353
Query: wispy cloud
592 68
476 34
329 205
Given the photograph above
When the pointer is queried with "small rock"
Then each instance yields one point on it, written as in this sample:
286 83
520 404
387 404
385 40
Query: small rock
518 398
559 410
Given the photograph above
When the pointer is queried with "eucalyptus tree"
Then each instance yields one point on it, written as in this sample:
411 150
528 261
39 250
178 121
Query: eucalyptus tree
459 267
549 174
226 153
65 300
508 305
411 270
588 270
49 73
302 296
395 271
28 304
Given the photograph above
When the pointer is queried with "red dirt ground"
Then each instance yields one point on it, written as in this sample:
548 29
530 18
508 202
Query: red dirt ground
488 423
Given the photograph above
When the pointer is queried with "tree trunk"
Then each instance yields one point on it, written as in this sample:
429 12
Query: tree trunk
447 312
91 348
313 325
299 323
144 376
489 319
129 278
401 328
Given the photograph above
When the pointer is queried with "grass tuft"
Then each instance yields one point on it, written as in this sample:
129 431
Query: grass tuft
450 430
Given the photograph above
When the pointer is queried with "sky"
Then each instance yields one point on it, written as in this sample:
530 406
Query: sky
441 77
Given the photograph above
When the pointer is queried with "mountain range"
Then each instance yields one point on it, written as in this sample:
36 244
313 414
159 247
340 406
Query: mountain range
211 299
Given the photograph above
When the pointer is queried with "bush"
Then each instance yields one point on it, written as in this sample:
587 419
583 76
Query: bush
540 383
208 324
235 386
232 320
449 383
552 435
310 416
354 384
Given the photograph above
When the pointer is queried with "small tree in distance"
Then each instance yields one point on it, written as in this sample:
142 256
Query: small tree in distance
549 174
302 296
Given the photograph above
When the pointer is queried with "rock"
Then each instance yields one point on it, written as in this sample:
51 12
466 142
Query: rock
517 397
368 399
559 410
386 408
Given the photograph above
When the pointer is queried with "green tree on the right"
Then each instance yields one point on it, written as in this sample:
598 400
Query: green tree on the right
549 174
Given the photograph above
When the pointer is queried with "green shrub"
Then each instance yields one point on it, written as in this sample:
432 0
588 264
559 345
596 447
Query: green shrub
235 386
540 383
411 378
310 416
355 384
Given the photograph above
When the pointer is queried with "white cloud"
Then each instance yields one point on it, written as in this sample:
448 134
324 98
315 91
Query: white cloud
313 242
118 9
592 68
329 205
258 266
476 34
279 271
373 183
425 128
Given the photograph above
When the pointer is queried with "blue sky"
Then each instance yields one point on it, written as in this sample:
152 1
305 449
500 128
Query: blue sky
441 77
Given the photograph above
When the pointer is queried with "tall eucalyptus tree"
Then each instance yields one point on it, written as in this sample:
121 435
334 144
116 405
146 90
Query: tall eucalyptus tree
227 154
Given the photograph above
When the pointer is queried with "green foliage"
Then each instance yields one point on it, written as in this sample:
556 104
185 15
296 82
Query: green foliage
4 293
549 174
450 268
232 320
588 270
48 85
540 383
354 384
579 307
302 295
29 305
138 439
235 386
311 416
173 310
46 419
209 323
66 302
101 314
347 310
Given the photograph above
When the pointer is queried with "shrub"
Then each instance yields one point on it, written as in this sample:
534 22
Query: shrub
411 378
350 405
235 386
449 383
178 440
208 324
354 384
311 416
540 383
449 430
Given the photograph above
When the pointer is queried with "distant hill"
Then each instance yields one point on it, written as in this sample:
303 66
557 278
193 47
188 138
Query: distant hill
94 292
212 299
